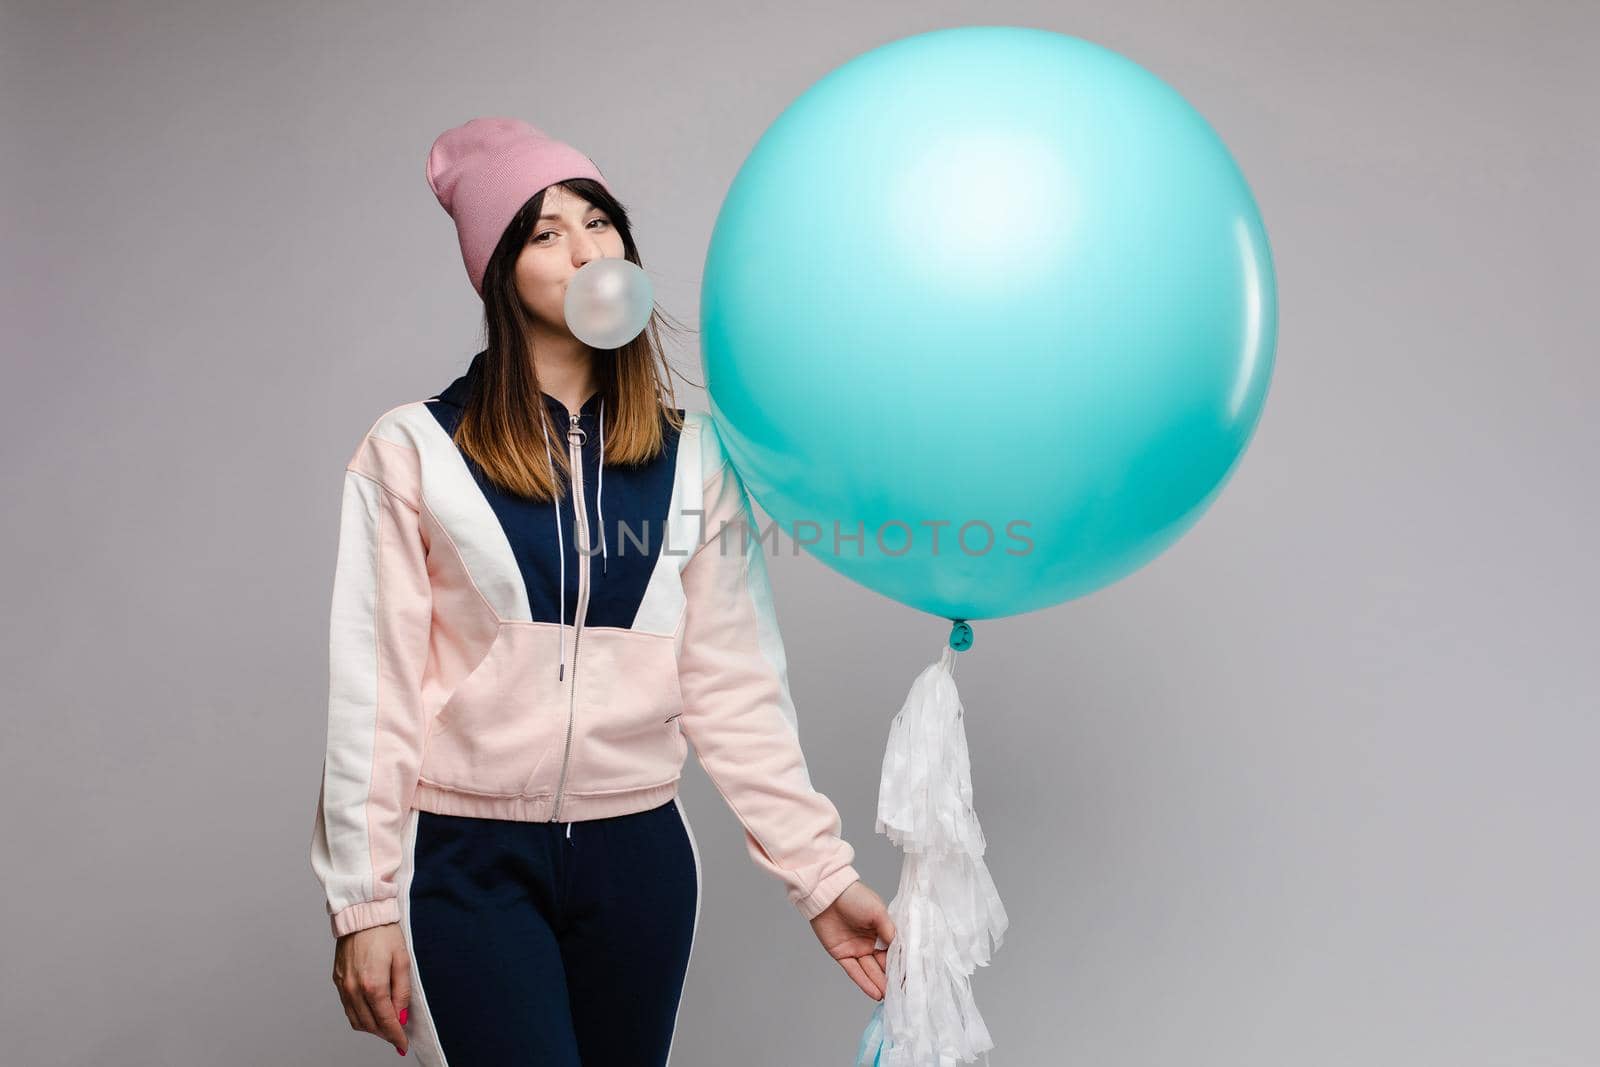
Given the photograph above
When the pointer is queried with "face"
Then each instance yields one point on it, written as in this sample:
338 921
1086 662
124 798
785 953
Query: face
569 233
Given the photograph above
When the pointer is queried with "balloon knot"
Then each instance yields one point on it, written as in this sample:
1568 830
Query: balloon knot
960 635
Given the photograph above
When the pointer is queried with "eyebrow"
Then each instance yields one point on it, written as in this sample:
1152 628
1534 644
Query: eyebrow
557 218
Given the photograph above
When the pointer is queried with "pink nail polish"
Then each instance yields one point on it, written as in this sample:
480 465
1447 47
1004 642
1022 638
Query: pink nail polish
403 1012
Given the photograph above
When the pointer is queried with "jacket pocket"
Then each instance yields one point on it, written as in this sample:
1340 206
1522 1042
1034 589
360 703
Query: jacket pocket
498 731
626 732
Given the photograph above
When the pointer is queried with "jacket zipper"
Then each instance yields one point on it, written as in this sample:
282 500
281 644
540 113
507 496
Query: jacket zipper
575 440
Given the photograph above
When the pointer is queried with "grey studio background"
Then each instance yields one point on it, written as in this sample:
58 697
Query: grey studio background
1316 787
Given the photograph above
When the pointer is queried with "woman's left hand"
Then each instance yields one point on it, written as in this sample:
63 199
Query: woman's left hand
850 929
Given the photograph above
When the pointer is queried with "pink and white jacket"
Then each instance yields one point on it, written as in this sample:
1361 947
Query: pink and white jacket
482 662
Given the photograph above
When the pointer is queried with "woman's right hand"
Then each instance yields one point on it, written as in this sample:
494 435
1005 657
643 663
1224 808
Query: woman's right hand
372 972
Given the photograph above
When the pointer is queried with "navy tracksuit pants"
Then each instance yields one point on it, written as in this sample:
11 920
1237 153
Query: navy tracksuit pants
548 944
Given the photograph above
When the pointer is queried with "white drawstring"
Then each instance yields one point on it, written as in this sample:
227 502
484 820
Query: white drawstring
599 493
561 551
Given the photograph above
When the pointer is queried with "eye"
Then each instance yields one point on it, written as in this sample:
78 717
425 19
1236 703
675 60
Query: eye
540 238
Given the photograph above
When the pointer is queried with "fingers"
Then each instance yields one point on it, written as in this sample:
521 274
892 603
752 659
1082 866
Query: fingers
874 971
852 967
885 929
363 1012
400 988
372 971
350 1012
389 1027
368 1006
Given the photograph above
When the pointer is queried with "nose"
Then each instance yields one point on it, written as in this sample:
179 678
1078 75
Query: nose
584 251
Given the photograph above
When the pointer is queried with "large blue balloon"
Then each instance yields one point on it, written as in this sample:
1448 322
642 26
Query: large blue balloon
999 278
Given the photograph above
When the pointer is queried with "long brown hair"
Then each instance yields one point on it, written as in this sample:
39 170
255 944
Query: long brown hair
499 427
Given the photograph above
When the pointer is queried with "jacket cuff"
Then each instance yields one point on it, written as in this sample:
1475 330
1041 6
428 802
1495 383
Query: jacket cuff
367 913
827 891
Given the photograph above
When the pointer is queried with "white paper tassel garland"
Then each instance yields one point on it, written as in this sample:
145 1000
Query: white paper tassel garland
947 913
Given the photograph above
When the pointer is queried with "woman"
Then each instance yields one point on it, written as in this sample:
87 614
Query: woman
546 589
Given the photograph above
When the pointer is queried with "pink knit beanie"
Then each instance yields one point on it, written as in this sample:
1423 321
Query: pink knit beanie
484 170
